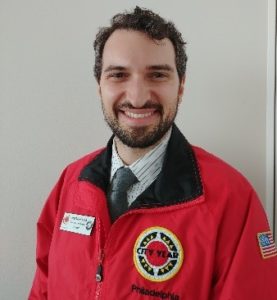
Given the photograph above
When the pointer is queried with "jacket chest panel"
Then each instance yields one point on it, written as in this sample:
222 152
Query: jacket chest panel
160 252
156 250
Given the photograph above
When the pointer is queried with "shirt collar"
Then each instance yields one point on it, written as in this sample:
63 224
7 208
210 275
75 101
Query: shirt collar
145 162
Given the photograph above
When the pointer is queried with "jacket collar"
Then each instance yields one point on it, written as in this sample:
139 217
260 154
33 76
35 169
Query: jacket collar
178 182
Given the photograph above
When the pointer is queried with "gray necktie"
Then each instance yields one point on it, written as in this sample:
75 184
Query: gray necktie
117 195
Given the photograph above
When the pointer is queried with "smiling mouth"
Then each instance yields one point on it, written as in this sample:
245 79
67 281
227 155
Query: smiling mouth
138 115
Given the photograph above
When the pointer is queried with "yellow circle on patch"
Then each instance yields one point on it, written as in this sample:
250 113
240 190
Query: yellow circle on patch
158 254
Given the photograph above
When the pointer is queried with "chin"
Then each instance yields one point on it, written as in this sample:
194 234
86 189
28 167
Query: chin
141 137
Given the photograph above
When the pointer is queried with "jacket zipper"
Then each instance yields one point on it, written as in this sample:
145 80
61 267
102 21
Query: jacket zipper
99 275
99 269
101 255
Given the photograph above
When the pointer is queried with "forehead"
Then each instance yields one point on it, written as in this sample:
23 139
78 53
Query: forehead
133 48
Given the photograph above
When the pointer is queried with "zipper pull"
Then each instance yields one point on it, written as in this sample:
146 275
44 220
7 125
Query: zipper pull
99 273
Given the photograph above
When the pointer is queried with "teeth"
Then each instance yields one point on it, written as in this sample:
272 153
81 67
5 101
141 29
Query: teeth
138 116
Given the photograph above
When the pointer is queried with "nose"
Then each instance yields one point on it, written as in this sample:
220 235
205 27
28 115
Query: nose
137 92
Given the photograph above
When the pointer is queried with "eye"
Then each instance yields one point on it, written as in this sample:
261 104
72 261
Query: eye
158 75
117 75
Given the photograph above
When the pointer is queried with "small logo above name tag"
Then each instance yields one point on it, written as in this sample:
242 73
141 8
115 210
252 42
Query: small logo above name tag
77 223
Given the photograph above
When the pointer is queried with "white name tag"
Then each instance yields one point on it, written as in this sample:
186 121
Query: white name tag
77 223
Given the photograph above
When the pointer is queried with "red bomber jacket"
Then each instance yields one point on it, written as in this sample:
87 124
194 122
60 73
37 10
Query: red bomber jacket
197 233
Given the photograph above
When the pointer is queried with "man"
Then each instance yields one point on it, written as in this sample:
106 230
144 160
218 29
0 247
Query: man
186 226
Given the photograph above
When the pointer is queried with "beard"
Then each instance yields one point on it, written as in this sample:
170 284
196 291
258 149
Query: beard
140 137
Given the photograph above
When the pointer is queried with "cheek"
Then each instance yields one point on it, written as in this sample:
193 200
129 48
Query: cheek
169 90
169 101
169 96
111 93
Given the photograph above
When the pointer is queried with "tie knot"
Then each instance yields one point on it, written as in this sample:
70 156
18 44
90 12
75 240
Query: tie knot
123 179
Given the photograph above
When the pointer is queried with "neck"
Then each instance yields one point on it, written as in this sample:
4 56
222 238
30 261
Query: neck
130 155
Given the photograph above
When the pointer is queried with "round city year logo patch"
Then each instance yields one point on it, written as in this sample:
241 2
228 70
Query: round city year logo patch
158 254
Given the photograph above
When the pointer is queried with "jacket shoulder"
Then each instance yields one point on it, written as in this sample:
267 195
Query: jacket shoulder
226 189
216 166
219 175
74 168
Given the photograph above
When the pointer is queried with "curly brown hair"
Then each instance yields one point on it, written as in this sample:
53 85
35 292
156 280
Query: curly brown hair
148 22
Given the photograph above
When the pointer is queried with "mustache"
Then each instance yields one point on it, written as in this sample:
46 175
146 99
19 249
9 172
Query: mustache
147 105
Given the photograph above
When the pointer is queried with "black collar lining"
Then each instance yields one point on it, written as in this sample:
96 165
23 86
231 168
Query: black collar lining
178 182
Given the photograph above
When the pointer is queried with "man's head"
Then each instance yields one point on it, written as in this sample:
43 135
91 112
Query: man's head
149 23
140 83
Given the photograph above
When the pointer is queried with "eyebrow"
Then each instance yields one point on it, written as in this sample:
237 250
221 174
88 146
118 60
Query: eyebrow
114 68
164 67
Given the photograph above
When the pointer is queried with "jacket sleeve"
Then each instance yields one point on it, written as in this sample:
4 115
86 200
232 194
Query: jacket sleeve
45 227
244 270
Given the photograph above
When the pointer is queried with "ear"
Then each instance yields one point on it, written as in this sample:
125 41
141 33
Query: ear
181 89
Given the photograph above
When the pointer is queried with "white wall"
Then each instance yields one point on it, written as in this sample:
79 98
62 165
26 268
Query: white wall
271 113
50 112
